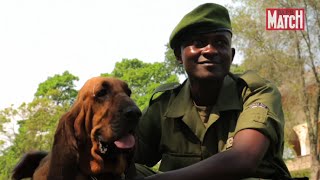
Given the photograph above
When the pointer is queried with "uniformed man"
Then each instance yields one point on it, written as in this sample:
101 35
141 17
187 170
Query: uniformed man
215 125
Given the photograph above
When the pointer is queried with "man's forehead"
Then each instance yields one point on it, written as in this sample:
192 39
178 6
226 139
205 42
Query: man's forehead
214 34
220 34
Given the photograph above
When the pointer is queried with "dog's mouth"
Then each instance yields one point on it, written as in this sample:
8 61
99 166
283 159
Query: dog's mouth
122 144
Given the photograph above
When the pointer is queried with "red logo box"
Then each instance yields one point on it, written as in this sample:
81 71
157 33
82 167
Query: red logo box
285 19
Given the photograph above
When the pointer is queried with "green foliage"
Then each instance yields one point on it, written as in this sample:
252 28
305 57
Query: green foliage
38 129
35 133
301 173
237 69
172 64
37 120
288 152
142 78
59 88
5 117
7 161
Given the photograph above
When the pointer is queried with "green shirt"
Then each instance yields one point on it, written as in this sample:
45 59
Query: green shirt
172 131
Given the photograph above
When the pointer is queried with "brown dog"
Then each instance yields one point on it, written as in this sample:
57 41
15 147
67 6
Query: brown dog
94 140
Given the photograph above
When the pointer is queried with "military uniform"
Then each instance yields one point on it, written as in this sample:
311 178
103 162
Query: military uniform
172 131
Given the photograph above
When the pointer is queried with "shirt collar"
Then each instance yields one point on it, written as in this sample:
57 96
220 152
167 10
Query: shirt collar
228 99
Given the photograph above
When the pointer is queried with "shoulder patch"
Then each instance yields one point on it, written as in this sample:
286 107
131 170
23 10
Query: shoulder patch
229 143
258 105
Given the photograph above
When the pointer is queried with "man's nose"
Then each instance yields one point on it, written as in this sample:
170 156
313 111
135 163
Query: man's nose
209 49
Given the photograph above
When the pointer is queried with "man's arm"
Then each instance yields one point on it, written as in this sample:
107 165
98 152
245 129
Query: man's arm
249 147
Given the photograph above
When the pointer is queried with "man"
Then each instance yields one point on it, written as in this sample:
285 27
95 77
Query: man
215 125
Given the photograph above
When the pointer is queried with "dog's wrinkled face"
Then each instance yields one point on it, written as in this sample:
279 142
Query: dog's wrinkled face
106 130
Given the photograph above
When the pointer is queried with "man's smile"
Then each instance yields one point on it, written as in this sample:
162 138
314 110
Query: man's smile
209 62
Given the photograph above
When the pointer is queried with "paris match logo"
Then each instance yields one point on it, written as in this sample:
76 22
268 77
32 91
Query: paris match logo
285 19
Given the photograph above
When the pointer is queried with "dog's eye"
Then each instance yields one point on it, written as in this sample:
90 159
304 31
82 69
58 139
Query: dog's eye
102 93
129 92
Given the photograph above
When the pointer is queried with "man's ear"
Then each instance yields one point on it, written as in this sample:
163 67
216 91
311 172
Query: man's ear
179 59
177 54
233 51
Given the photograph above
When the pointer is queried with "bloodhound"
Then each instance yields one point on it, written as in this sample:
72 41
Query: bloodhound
93 140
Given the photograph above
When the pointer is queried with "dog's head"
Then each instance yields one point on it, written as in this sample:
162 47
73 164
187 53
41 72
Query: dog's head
104 125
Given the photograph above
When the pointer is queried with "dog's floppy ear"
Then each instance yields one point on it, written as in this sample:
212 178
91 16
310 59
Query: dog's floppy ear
82 124
65 148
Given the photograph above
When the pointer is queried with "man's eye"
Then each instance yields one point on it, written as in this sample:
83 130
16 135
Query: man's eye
199 43
221 43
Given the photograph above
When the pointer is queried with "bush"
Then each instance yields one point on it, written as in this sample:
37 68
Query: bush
301 173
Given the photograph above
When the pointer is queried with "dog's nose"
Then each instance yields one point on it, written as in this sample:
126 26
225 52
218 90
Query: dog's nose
132 112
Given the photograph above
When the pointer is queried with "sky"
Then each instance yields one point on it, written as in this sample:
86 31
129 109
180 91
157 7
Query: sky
41 38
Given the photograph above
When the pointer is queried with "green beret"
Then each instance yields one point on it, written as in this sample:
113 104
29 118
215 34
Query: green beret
205 18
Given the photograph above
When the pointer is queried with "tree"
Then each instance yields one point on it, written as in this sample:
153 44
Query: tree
288 58
35 132
7 129
142 78
172 64
37 120
59 88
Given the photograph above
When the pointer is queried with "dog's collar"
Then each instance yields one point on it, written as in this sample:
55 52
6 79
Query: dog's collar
93 178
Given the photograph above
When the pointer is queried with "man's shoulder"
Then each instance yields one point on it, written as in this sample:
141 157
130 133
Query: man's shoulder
166 87
253 80
163 91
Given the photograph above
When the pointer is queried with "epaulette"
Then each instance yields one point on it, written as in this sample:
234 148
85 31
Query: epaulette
253 80
163 88
166 87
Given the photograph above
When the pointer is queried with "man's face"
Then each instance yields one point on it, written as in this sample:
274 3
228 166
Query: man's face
207 56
